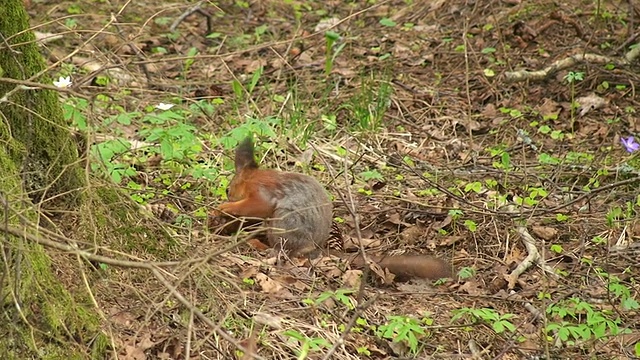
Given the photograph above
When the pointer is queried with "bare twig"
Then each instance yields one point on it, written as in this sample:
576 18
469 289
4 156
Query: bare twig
356 315
195 9
136 50
186 303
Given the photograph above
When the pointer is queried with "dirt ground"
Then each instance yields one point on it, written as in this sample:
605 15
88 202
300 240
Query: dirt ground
497 148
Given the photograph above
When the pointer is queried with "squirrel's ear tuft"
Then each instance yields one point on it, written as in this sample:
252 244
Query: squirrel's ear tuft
244 155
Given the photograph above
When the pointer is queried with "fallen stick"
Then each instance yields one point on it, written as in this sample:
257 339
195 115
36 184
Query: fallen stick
538 75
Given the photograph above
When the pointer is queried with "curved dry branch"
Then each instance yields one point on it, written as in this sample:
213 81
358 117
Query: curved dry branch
568 62
533 257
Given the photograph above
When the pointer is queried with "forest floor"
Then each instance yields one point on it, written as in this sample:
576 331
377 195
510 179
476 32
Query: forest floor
416 114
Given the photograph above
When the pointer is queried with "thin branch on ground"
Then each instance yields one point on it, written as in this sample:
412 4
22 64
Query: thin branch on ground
186 303
533 257
195 9
356 315
570 61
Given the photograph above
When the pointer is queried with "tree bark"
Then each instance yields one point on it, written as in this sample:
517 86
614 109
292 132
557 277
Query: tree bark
47 156
39 164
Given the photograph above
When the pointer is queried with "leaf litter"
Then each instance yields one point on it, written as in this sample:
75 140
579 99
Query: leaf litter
460 121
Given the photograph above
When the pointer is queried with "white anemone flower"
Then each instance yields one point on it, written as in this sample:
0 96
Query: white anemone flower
163 106
62 82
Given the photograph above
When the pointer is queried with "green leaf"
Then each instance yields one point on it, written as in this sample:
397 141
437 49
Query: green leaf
254 79
387 22
332 36
237 88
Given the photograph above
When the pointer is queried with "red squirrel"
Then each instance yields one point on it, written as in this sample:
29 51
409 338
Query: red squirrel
297 213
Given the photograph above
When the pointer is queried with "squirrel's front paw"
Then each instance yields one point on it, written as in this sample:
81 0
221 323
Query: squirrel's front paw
216 222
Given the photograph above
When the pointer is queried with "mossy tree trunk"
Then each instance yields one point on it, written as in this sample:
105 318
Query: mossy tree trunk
40 168
49 158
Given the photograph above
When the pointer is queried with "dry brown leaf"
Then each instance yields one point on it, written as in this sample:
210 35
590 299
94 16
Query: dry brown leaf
549 108
450 240
514 256
634 124
590 102
411 234
304 58
292 282
277 63
490 111
42 38
249 273
444 223
145 342
351 243
352 278
258 245
472 125
267 284
255 65
497 285
384 274
634 229
123 318
473 288
401 51
395 219
243 261
345 72
545 232
306 157
268 320
327 265
414 285
400 347
595 131
326 24
172 350
272 260
133 353
329 303
251 345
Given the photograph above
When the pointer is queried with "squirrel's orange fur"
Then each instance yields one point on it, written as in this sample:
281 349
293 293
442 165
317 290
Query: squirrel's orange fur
297 214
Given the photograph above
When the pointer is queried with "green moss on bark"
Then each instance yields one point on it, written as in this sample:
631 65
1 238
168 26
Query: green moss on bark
49 323
41 319
49 160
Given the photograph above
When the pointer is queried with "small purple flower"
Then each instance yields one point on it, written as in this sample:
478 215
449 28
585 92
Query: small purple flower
630 144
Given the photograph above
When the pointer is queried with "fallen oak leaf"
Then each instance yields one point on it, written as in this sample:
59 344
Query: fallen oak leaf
257 244
590 102
351 243
268 320
267 284
352 278
545 232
